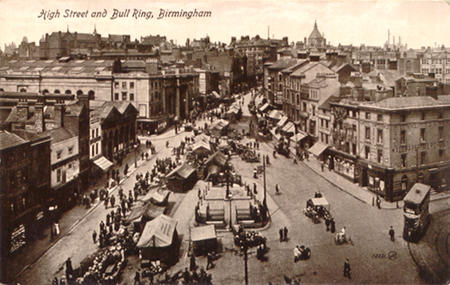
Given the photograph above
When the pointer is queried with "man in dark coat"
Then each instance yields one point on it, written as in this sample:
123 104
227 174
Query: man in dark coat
281 234
192 265
69 269
347 269
333 226
392 233
285 233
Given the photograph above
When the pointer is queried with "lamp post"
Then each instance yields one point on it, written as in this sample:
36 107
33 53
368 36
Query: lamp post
244 249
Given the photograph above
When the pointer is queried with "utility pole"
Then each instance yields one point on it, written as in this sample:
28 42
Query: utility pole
244 248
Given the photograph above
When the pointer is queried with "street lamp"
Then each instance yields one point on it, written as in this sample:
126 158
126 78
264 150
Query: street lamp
244 248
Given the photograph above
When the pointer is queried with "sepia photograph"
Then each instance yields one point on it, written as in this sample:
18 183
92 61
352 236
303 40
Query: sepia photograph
224 142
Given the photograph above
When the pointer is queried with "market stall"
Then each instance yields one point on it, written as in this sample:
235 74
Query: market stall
159 240
182 178
204 239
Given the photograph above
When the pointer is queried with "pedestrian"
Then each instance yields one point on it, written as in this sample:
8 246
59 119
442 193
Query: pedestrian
322 166
267 160
285 234
327 223
192 265
332 226
277 189
137 278
281 234
69 269
209 261
113 201
254 189
392 233
347 269
106 202
378 202
186 276
94 236
55 281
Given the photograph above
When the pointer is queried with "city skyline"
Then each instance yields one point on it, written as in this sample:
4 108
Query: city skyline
342 22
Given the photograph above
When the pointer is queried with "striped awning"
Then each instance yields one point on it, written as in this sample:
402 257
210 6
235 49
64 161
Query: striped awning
103 163
318 148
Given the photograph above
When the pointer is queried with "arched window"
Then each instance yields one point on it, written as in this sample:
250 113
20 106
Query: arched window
45 91
79 92
57 91
68 92
404 182
91 94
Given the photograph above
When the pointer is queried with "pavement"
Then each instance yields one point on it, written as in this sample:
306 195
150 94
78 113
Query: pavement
19 262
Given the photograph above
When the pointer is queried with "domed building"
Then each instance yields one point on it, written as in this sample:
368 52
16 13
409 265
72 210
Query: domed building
315 39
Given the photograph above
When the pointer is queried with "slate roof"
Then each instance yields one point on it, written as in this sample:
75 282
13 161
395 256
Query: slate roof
8 140
414 102
59 134
283 63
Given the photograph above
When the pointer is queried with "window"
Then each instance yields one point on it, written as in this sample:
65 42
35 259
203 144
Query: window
367 133
403 156
70 165
423 156
58 175
116 96
124 85
93 153
354 148
379 117
131 85
96 132
367 116
58 154
116 84
379 155
441 153
404 182
326 124
326 139
131 97
440 113
379 135
93 133
313 110
422 135
354 128
402 118
304 107
124 96
96 148
441 132
367 151
402 137
422 116
70 148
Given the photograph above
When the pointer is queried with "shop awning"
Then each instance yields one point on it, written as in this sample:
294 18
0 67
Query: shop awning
103 163
264 107
304 115
215 94
299 137
289 128
158 232
318 148
275 115
282 121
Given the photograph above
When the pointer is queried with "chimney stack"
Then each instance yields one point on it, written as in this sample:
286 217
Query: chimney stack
151 66
59 114
39 124
22 111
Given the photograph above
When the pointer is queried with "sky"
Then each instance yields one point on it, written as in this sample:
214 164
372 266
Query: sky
418 23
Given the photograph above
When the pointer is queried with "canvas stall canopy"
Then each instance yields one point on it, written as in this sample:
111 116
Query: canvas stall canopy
204 239
159 239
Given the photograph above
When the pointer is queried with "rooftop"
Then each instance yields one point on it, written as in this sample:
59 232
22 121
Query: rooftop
8 140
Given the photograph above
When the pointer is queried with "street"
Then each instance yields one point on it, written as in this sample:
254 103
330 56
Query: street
372 255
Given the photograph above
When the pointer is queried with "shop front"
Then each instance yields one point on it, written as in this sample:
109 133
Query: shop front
343 164
377 179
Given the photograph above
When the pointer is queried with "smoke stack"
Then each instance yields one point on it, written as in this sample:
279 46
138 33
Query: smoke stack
59 114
